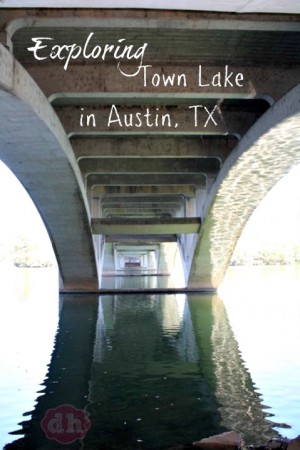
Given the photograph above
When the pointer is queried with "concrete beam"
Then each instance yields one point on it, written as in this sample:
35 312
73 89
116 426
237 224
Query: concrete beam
140 240
145 179
141 199
140 208
92 99
139 203
135 249
141 212
131 166
134 215
128 19
154 147
77 17
209 119
131 251
259 81
143 134
182 189
146 226
138 248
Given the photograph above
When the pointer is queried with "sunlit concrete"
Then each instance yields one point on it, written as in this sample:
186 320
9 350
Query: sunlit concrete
265 154
140 226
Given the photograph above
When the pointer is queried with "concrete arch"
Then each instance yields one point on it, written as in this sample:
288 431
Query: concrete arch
33 144
266 153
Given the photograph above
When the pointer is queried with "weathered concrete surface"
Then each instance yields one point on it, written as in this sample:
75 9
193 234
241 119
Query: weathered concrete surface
145 166
260 81
34 146
263 70
186 190
140 226
154 147
265 154
148 179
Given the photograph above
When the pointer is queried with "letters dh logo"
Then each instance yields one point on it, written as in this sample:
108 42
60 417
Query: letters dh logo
65 424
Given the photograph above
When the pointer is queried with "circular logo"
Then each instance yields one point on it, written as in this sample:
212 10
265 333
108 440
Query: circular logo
65 424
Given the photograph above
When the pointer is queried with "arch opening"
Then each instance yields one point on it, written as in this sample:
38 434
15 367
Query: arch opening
34 145
261 294
271 236
265 154
24 240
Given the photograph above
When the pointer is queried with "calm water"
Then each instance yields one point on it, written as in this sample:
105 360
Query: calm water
151 371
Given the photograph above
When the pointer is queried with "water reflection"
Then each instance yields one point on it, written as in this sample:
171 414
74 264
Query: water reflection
69 371
145 378
28 322
240 405
136 281
263 304
152 371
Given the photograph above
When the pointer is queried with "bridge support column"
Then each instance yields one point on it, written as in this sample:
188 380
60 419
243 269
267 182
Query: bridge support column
34 146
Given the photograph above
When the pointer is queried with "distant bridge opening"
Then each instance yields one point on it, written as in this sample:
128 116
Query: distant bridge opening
131 261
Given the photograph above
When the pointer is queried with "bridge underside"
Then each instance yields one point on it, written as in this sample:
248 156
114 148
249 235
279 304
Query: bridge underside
132 173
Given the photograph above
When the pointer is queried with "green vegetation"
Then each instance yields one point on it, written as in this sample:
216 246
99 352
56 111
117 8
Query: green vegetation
25 251
270 255
28 251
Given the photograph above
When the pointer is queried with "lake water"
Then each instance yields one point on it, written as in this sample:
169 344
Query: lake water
151 371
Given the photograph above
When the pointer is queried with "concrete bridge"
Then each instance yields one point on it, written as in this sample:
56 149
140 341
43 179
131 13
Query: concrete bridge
172 146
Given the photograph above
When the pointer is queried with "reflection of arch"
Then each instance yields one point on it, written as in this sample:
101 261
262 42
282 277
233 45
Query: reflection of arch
240 403
169 359
266 153
34 146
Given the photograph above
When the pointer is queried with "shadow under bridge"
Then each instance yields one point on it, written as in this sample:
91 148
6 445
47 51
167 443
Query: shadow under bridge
133 179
